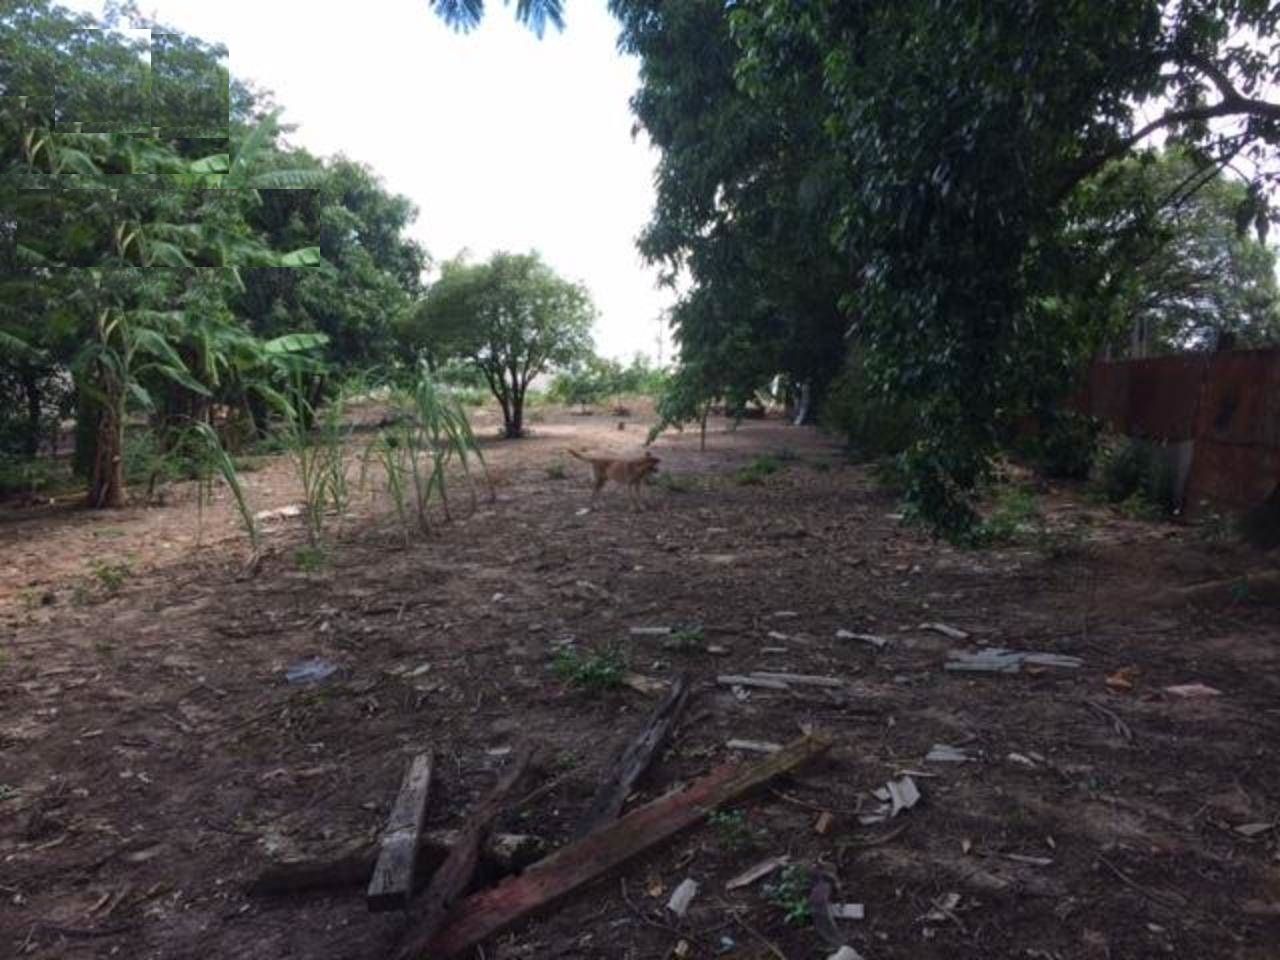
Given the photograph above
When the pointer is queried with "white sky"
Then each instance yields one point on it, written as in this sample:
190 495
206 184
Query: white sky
503 141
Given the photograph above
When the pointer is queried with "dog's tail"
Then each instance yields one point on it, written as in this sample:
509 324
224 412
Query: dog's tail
574 453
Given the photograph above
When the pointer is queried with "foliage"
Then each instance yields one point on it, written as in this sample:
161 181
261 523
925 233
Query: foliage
754 473
594 380
511 318
790 894
934 156
430 433
1137 474
594 672
1065 444
732 831
873 424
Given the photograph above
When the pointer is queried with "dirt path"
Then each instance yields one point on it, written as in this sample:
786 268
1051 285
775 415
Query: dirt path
153 756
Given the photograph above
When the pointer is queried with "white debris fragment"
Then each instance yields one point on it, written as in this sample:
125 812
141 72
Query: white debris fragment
942 753
754 746
759 871
681 896
955 633
878 642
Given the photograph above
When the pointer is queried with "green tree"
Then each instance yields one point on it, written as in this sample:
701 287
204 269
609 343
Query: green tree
512 318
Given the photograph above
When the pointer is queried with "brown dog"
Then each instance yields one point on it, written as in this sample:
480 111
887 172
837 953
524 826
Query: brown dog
628 472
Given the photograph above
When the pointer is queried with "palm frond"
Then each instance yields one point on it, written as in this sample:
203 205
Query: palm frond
288 180
462 15
536 14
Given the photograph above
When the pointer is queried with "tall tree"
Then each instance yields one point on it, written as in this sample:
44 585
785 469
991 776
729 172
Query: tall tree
512 318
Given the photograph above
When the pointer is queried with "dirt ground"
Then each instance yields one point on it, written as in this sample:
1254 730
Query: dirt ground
154 758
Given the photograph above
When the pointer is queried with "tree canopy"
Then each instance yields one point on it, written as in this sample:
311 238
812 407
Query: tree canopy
920 164
511 317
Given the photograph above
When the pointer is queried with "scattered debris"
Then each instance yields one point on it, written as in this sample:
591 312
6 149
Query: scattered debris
823 824
944 908
1024 858
845 953
1120 727
848 911
649 686
785 614
1193 691
391 885
896 796
758 872
489 912
1122 679
955 633
650 631
878 642
996 660
737 680
941 753
799 679
1022 759
775 635
634 760
681 896
754 746
1254 829
310 671
280 513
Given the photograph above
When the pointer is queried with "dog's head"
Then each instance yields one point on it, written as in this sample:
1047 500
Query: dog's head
651 462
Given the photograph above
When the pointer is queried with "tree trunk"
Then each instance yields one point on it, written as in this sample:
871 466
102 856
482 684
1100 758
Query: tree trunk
802 409
31 387
702 436
107 488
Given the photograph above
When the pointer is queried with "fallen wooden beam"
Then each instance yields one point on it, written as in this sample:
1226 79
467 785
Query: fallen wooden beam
454 875
490 912
634 761
503 854
391 885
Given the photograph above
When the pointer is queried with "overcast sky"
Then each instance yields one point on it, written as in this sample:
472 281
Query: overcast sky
504 141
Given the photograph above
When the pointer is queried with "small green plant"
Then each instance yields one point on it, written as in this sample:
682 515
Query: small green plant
111 574
684 639
311 559
1014 516
593 672
1217 529
790 893
1065 445
732 831
1241 592
1059 543
757 470
8 792
1138 476
557 471
672 483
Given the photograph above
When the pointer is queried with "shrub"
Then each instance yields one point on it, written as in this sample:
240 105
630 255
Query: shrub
594 672
873 425
1066 445
1137 474
755 472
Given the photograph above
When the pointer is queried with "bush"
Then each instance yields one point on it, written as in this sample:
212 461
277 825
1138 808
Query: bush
1137 474
755 472
1066 445
28 476
873 425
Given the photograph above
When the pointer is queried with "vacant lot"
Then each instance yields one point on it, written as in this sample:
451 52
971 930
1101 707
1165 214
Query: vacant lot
154 758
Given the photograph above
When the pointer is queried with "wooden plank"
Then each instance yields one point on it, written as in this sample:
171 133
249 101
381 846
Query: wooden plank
490 912
454 875
504 853
391 885
634 761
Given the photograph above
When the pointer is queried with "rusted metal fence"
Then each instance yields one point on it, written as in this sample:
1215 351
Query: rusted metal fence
1219 411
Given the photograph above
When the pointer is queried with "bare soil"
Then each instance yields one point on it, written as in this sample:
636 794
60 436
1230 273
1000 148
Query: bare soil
154 758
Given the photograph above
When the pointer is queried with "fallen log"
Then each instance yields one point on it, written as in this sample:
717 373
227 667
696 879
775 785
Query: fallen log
634 761
490 912
391 884
454 875
503 854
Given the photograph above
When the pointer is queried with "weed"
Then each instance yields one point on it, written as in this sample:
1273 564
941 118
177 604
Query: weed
8 792
594 672
1137 475
81 595
672 483
30 599
1241 592
684 639
311 559
1217 529
111 574
732 832
1059 543
790 893
557 471
757 470
1014 515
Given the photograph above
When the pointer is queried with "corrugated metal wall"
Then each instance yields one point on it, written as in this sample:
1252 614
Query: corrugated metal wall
1227 404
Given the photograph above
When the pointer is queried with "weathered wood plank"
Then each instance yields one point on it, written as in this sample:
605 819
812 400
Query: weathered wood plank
634 761
504 853
492 911
454 875
391 885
